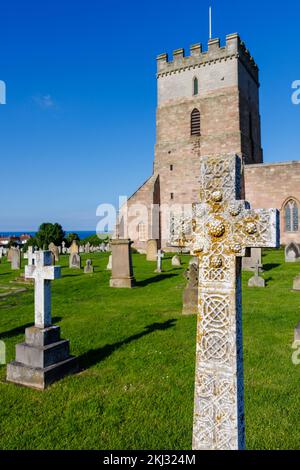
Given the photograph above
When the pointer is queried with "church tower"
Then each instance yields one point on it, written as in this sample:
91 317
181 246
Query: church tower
207 104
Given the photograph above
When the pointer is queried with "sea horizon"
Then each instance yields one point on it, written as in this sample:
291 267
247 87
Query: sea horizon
81 233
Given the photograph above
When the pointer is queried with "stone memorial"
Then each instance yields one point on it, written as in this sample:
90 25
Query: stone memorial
87 247
160 256
74 248
190 293
9 254
30 255
15 258
74 261
292 253
122 271
89 268
109 264
176 261
256 280
249 262
296 283
297 333
44 357
63 248
54 250
222 228
151 250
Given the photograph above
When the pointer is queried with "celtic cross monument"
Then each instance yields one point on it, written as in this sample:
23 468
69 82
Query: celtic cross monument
223 226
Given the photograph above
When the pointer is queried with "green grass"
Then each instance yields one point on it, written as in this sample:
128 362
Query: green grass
137 354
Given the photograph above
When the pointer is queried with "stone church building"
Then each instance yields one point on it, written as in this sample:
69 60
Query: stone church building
208 104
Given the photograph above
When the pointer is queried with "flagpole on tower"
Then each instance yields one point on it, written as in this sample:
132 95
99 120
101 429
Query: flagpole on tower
210 23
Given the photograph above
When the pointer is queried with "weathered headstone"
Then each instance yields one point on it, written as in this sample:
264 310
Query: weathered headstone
222 228
296 283
256 280
249 262
63 247
89 268
151 250
74 248
9 254
160 256
87 247
44 357
74 261
15 258
292 253
54 250
297 333
1 252
109 264
190 293
176 261
122 271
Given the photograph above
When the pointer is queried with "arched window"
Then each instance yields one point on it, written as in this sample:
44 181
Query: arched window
195 122
195 86
142 232
291 215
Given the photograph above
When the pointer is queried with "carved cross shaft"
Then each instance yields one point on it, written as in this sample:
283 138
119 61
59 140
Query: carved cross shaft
42 272
223 227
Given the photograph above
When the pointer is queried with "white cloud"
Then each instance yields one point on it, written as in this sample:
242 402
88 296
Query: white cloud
44 101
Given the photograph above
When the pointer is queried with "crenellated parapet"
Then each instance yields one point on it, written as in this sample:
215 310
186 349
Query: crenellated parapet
234 48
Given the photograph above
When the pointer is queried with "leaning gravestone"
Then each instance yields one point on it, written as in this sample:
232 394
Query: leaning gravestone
190 293
256 280
74 261
88 269
176 261
15 259
151 250
44 357
74 248
222 228
122 271
292 253
54 250
249 262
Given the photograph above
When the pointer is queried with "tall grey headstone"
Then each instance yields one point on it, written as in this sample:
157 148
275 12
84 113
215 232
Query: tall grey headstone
15 258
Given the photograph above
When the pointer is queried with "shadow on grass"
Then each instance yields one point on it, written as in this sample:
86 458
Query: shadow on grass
153 279
269 267
93 356
21 329
72 275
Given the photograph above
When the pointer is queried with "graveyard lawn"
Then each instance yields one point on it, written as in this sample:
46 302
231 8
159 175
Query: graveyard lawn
137 355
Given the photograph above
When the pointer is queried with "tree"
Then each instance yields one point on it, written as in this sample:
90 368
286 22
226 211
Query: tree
49 233
70 237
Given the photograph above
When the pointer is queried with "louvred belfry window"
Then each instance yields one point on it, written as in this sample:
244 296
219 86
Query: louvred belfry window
195 122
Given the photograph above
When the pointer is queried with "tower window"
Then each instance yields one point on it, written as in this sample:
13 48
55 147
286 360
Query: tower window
195 122
291 215
195 86
171 167
172 196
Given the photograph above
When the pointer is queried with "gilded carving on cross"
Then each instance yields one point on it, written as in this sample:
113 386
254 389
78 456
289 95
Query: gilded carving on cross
223 226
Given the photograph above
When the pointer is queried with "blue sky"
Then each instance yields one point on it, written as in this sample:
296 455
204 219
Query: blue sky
78 128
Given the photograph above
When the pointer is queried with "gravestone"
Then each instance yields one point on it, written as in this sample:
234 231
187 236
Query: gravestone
256 280
151 250
160 256
44 357
63 247
54 250
176 261
74 261
81 249
249 262
87 247
88 269
15 259
2 353
109 264
296 283
297 333
222 228
74 248
9 254
190 293
292 253
30 256
1 252
122 271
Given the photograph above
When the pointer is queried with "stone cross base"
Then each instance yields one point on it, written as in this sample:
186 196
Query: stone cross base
43 359
122 272
127 282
